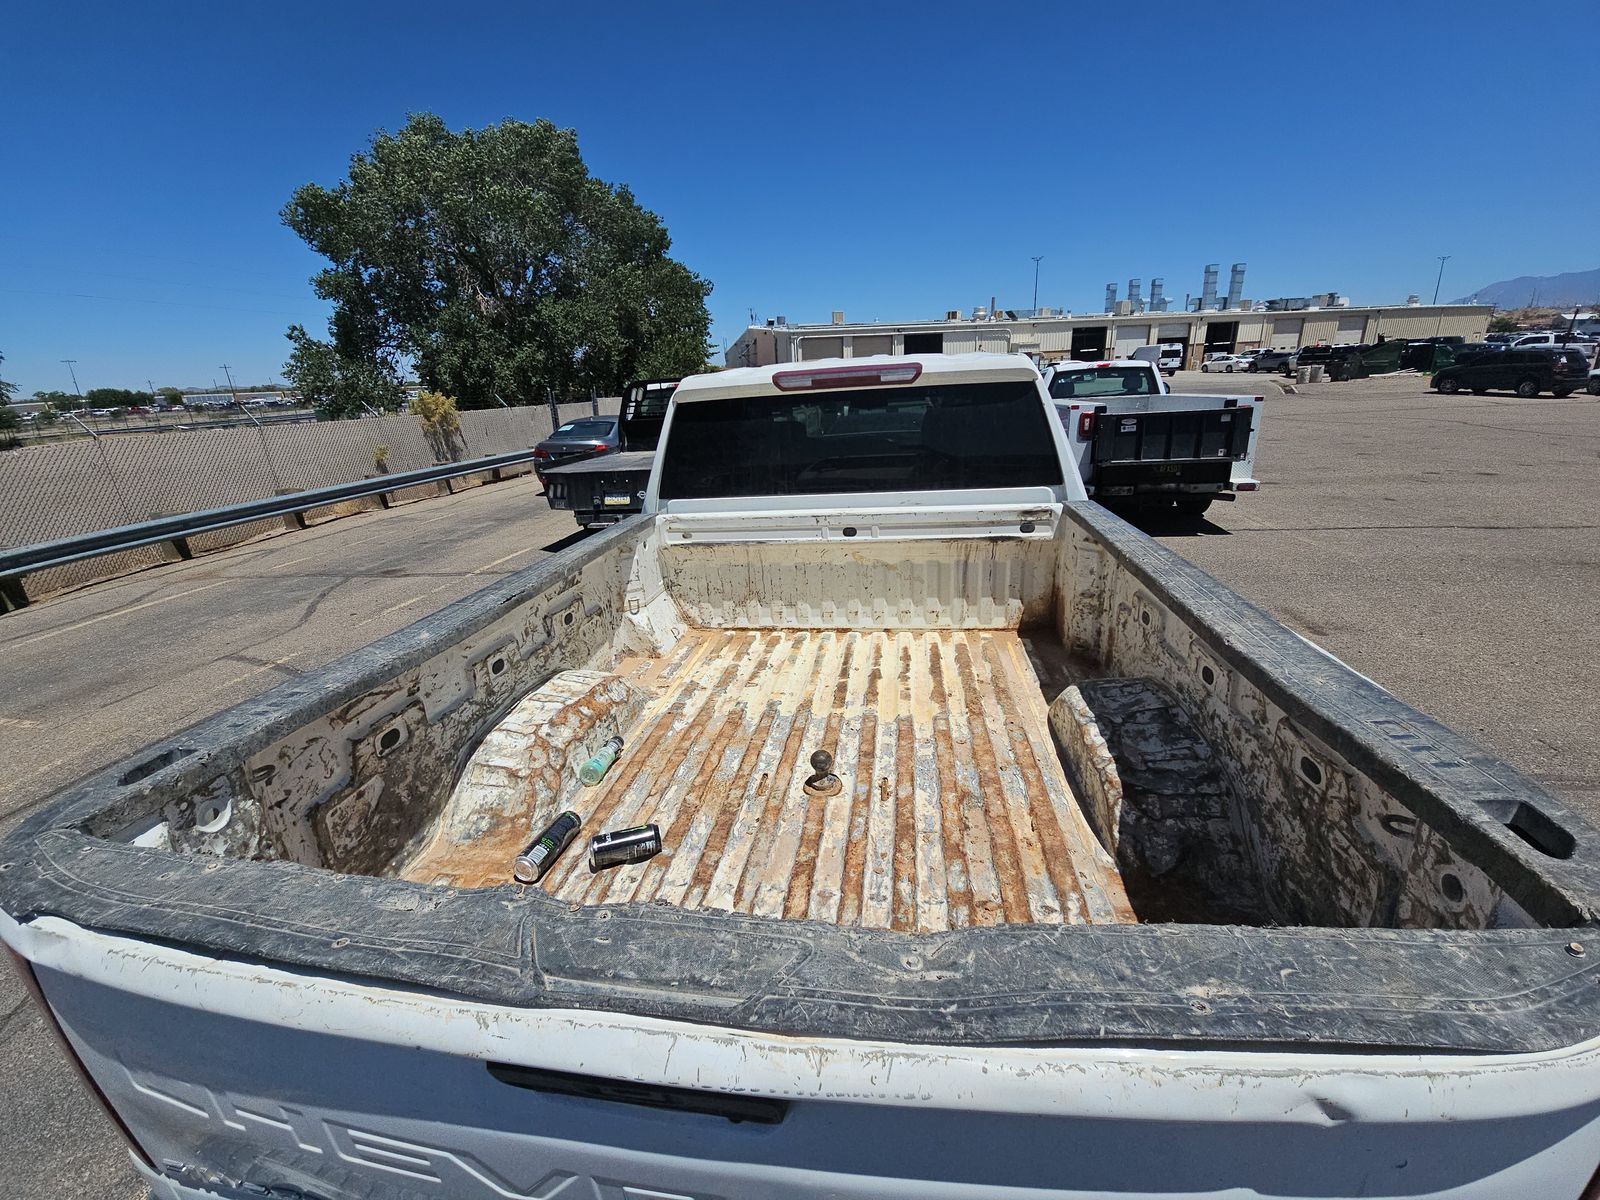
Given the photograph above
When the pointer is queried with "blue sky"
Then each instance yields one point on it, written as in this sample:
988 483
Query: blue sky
891 160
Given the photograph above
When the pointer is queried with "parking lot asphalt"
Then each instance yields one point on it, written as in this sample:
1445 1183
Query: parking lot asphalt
1448 547
91 675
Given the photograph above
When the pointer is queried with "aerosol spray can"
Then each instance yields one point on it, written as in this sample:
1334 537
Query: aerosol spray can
541 853
620 846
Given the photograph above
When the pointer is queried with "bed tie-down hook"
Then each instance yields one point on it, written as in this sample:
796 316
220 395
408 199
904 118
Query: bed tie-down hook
823 781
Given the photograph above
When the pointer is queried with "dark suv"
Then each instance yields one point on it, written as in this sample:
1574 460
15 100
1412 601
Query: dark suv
1309 356
1527 372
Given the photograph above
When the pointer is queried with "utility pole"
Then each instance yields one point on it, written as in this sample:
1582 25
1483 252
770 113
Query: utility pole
1440 280
1036 258
74 374
266 450
234 392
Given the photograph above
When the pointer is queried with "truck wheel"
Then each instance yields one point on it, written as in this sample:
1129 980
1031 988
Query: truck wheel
1528 388
1594 387
1192 506
1448 386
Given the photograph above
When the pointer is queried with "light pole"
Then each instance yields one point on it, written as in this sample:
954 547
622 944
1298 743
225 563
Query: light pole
1036 259
1440 280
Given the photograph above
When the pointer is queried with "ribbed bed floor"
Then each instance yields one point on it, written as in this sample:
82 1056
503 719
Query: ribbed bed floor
954 810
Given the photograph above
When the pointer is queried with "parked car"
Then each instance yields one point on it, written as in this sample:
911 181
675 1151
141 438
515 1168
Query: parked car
1271 360
1526 372
1594 381
575 440
1226 363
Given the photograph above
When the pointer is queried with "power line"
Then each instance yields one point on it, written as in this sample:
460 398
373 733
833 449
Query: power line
149 300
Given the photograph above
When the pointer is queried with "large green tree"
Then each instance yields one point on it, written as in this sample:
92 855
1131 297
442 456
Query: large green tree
494 264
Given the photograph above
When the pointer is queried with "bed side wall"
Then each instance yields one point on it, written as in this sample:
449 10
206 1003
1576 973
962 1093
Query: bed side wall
363 783
1333 846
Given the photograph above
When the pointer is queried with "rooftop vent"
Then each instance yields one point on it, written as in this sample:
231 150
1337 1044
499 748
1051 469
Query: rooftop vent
838 316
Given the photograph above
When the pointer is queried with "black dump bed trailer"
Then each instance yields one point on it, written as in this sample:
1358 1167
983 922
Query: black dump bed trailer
602 490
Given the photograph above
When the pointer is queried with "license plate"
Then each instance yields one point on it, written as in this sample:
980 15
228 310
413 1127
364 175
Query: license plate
617 499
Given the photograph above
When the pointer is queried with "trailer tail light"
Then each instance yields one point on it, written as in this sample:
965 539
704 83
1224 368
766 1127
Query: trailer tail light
1247 486
30 984
843 377
1085 426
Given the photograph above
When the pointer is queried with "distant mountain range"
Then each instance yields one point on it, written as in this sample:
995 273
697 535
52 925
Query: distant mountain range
1545 291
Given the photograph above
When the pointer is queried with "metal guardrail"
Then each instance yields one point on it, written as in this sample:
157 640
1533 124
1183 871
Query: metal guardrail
24 560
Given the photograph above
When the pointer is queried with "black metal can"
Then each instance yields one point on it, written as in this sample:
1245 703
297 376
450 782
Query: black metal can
542 852
618 847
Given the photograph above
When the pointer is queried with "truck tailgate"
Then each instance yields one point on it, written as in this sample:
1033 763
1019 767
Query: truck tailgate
611 483
1218 434
239 1079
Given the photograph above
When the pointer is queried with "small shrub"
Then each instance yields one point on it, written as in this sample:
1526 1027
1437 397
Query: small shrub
441 424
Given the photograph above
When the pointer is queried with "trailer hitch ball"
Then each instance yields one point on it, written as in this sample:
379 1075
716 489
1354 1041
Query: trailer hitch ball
823 781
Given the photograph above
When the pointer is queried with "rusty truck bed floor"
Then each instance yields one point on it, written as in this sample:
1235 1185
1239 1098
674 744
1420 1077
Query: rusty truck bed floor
954 808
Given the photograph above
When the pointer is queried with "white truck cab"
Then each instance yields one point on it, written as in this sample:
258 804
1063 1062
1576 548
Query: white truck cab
794 446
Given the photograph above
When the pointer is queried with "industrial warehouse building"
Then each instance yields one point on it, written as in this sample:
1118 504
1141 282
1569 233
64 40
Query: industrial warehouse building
1118 333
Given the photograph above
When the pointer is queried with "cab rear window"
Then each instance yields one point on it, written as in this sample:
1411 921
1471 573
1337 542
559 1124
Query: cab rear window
982 435
1102 381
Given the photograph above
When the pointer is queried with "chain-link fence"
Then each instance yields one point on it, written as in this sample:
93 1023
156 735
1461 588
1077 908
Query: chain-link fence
55 491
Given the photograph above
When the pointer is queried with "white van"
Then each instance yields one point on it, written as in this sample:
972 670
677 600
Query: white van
1168 356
